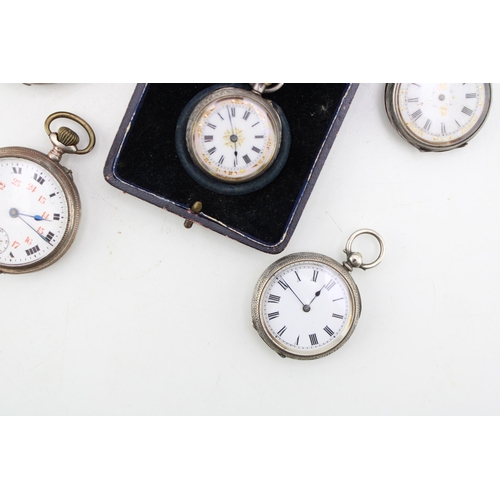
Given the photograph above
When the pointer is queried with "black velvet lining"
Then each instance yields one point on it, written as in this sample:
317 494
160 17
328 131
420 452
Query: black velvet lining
149 160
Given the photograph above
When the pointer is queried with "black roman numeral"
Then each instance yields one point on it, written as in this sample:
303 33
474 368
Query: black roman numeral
211 125
221 116
329 331
330 285
17 170
255 124
467 111
56 217
273 299
281 332
33 250
413 99
49 236
247 159
38 178
209 138
233 111
417 114
471 96
212 151
257 150
259 137
427 125
273 315
443 128
338 316
298 277
51 195
246 115
313 339
11 255
221 160
283 284
315 276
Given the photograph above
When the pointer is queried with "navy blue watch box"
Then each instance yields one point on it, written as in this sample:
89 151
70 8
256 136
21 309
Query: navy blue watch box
143 161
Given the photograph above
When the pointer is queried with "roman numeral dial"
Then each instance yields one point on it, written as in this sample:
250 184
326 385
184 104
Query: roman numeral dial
307 307
233 138
437 116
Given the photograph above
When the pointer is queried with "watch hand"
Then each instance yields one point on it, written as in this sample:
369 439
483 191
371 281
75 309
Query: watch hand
41 235
36 217
230 121
317 294
291 289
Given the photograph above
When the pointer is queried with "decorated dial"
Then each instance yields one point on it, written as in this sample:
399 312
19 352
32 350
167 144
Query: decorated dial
34 212
306 308
441 115
234 138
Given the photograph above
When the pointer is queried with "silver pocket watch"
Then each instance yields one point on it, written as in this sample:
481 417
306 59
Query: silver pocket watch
232 140
437 116
39 202
306 305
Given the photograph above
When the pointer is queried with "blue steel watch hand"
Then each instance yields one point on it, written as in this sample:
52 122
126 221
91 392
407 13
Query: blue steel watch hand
41 235
36 217
14 213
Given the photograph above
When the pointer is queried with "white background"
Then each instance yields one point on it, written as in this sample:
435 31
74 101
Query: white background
143 317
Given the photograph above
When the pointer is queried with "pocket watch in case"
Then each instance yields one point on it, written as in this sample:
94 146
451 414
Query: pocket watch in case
437 116
306 305
231 140
39 202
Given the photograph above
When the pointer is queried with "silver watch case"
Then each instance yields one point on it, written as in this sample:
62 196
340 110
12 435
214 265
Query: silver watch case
64 177
270 273
394 115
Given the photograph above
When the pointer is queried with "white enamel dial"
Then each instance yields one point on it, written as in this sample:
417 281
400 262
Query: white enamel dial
439 116
34 212
306 308
234 136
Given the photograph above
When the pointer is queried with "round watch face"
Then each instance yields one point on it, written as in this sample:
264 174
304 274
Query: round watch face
233 135
306 306
438 116
35 215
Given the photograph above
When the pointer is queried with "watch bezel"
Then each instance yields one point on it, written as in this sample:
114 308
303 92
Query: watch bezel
396 119
72 197
257 304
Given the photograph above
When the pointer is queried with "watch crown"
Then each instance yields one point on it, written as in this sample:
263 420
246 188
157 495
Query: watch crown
67 137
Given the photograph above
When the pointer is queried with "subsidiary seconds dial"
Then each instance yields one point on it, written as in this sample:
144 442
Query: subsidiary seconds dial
438 116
